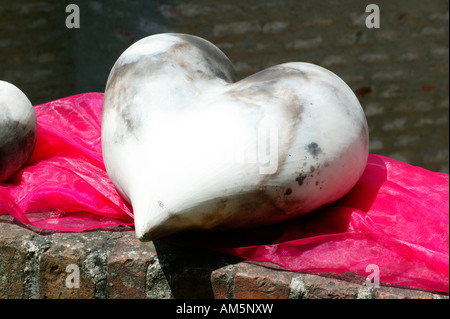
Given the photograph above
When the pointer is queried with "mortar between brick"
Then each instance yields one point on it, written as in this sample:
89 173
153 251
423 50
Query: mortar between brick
31 269
95 266
156 283
297 288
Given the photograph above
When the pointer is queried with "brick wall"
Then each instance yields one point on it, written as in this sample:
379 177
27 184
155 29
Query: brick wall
113 264
35 49
399 71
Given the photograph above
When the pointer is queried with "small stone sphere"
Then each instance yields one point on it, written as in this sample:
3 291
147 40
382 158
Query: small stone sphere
18 130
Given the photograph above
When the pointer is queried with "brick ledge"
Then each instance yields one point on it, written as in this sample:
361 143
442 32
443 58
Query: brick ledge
113 264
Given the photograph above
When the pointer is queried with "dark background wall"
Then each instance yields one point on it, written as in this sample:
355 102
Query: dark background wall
399 71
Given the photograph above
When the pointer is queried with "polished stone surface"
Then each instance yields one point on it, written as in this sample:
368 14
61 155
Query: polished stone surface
190 147
18 130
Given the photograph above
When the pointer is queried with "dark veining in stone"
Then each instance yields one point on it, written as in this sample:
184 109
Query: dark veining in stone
17 142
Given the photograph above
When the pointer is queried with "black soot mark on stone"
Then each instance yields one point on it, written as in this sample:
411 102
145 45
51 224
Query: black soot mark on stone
17 142
288 191
16 136
301 177
313 149
217 62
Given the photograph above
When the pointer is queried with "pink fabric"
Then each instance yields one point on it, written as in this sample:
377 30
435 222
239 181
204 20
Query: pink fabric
396 217
65 185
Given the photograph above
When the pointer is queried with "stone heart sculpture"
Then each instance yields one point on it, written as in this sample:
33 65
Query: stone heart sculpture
18 130
191 148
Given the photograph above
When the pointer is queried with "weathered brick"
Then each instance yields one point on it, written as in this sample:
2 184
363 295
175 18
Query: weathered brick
374 57
319 22
363 91
13 258
409 56
439 16
440 51
405 140
11 274
375 145
254 282
391 91
352 38
114 264
242 67
334 60
85 251
192 10
432 31
192 283
274 26
387 35
424 122
393 75
358 19
398 293
396 124
436 156
127 267
305 44
372 109
168 11
318 287
234 28
222 281
353 78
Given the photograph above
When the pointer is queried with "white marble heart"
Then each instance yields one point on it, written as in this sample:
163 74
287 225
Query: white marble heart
18 130
191 148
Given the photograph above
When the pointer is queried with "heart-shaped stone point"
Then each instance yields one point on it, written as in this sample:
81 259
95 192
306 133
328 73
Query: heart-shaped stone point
189 147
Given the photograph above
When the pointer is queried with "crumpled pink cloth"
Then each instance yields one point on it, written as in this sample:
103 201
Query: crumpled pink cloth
396 217
65 185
